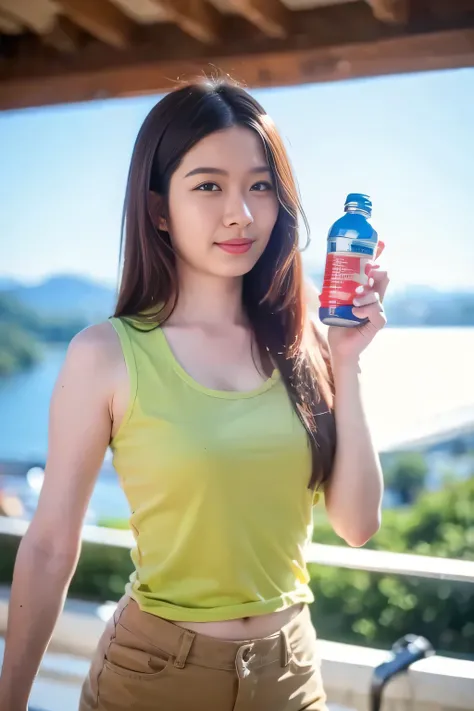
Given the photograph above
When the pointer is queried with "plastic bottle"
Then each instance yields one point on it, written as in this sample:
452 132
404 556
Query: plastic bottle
352 244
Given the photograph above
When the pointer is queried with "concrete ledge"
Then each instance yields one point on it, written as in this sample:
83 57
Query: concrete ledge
433 684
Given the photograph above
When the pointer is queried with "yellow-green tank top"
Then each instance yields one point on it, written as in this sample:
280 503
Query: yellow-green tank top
217 483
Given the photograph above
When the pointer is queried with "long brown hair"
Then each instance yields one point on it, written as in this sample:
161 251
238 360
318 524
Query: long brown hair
273 291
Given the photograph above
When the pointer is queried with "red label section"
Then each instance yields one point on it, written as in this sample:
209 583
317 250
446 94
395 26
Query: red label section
342 276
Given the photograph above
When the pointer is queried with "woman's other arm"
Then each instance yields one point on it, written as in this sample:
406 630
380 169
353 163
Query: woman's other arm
79 433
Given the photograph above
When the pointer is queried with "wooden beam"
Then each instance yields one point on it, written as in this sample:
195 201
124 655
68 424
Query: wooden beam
270 16
194 17
36 16
393 11
9 25
413 53
101 19
65 36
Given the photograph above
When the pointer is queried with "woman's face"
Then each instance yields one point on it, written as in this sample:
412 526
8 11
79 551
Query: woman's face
222 204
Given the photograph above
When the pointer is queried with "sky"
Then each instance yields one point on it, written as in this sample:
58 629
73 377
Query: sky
408 141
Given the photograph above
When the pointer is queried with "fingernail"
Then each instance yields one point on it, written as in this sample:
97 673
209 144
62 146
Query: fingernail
356 302
360 289
371 282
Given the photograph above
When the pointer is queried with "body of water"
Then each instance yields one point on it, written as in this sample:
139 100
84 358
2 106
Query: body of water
24 408
416 381
411 377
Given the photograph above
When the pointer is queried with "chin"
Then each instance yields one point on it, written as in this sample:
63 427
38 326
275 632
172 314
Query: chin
238 269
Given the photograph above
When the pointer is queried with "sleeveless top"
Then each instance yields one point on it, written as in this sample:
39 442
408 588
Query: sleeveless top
217 483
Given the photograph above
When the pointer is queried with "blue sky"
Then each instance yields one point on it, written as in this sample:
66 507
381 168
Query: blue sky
406 140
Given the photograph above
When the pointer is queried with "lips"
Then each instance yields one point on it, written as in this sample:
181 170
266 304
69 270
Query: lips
235 246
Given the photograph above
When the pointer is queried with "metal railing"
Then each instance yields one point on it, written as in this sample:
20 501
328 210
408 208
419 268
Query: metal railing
375 561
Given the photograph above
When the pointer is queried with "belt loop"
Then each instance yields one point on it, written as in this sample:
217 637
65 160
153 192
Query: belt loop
285 649
187 639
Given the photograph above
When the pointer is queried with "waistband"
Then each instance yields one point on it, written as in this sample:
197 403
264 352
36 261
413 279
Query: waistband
188 646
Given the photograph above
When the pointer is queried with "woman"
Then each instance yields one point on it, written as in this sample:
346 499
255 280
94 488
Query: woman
220 401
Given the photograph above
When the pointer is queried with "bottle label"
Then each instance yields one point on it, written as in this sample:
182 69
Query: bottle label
342 276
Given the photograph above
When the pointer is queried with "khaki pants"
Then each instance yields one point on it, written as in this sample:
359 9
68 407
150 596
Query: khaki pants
146 663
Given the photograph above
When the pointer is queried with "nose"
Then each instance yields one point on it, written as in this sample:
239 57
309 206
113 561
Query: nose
237 212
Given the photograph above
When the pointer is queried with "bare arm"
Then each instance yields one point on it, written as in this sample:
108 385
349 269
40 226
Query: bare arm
79 433
354 494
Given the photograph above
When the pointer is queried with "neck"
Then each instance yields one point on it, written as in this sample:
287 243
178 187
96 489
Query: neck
208 300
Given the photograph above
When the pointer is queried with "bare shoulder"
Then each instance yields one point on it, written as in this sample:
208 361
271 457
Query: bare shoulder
80 425
98 343
96 351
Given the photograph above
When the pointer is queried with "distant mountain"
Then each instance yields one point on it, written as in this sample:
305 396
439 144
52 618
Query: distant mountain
7 284
73 297
67 296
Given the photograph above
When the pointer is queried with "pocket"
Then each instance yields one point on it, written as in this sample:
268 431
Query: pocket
128 657
304 650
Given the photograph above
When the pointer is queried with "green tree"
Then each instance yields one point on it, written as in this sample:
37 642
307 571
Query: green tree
23 331
407 475
369 609
18 348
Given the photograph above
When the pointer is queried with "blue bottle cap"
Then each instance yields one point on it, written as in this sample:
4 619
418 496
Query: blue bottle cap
358 201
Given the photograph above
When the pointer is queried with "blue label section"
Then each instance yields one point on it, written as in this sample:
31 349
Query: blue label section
361 249
338 312
354 248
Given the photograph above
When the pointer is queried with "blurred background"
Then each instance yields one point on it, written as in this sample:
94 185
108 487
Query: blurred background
407 140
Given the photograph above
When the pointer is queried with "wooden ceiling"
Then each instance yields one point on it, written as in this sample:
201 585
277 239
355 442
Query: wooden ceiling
58 51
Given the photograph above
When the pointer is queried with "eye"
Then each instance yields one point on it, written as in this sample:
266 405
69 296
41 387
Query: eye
208 187
262 186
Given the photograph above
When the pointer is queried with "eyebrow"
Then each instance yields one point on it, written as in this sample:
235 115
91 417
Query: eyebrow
219 171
